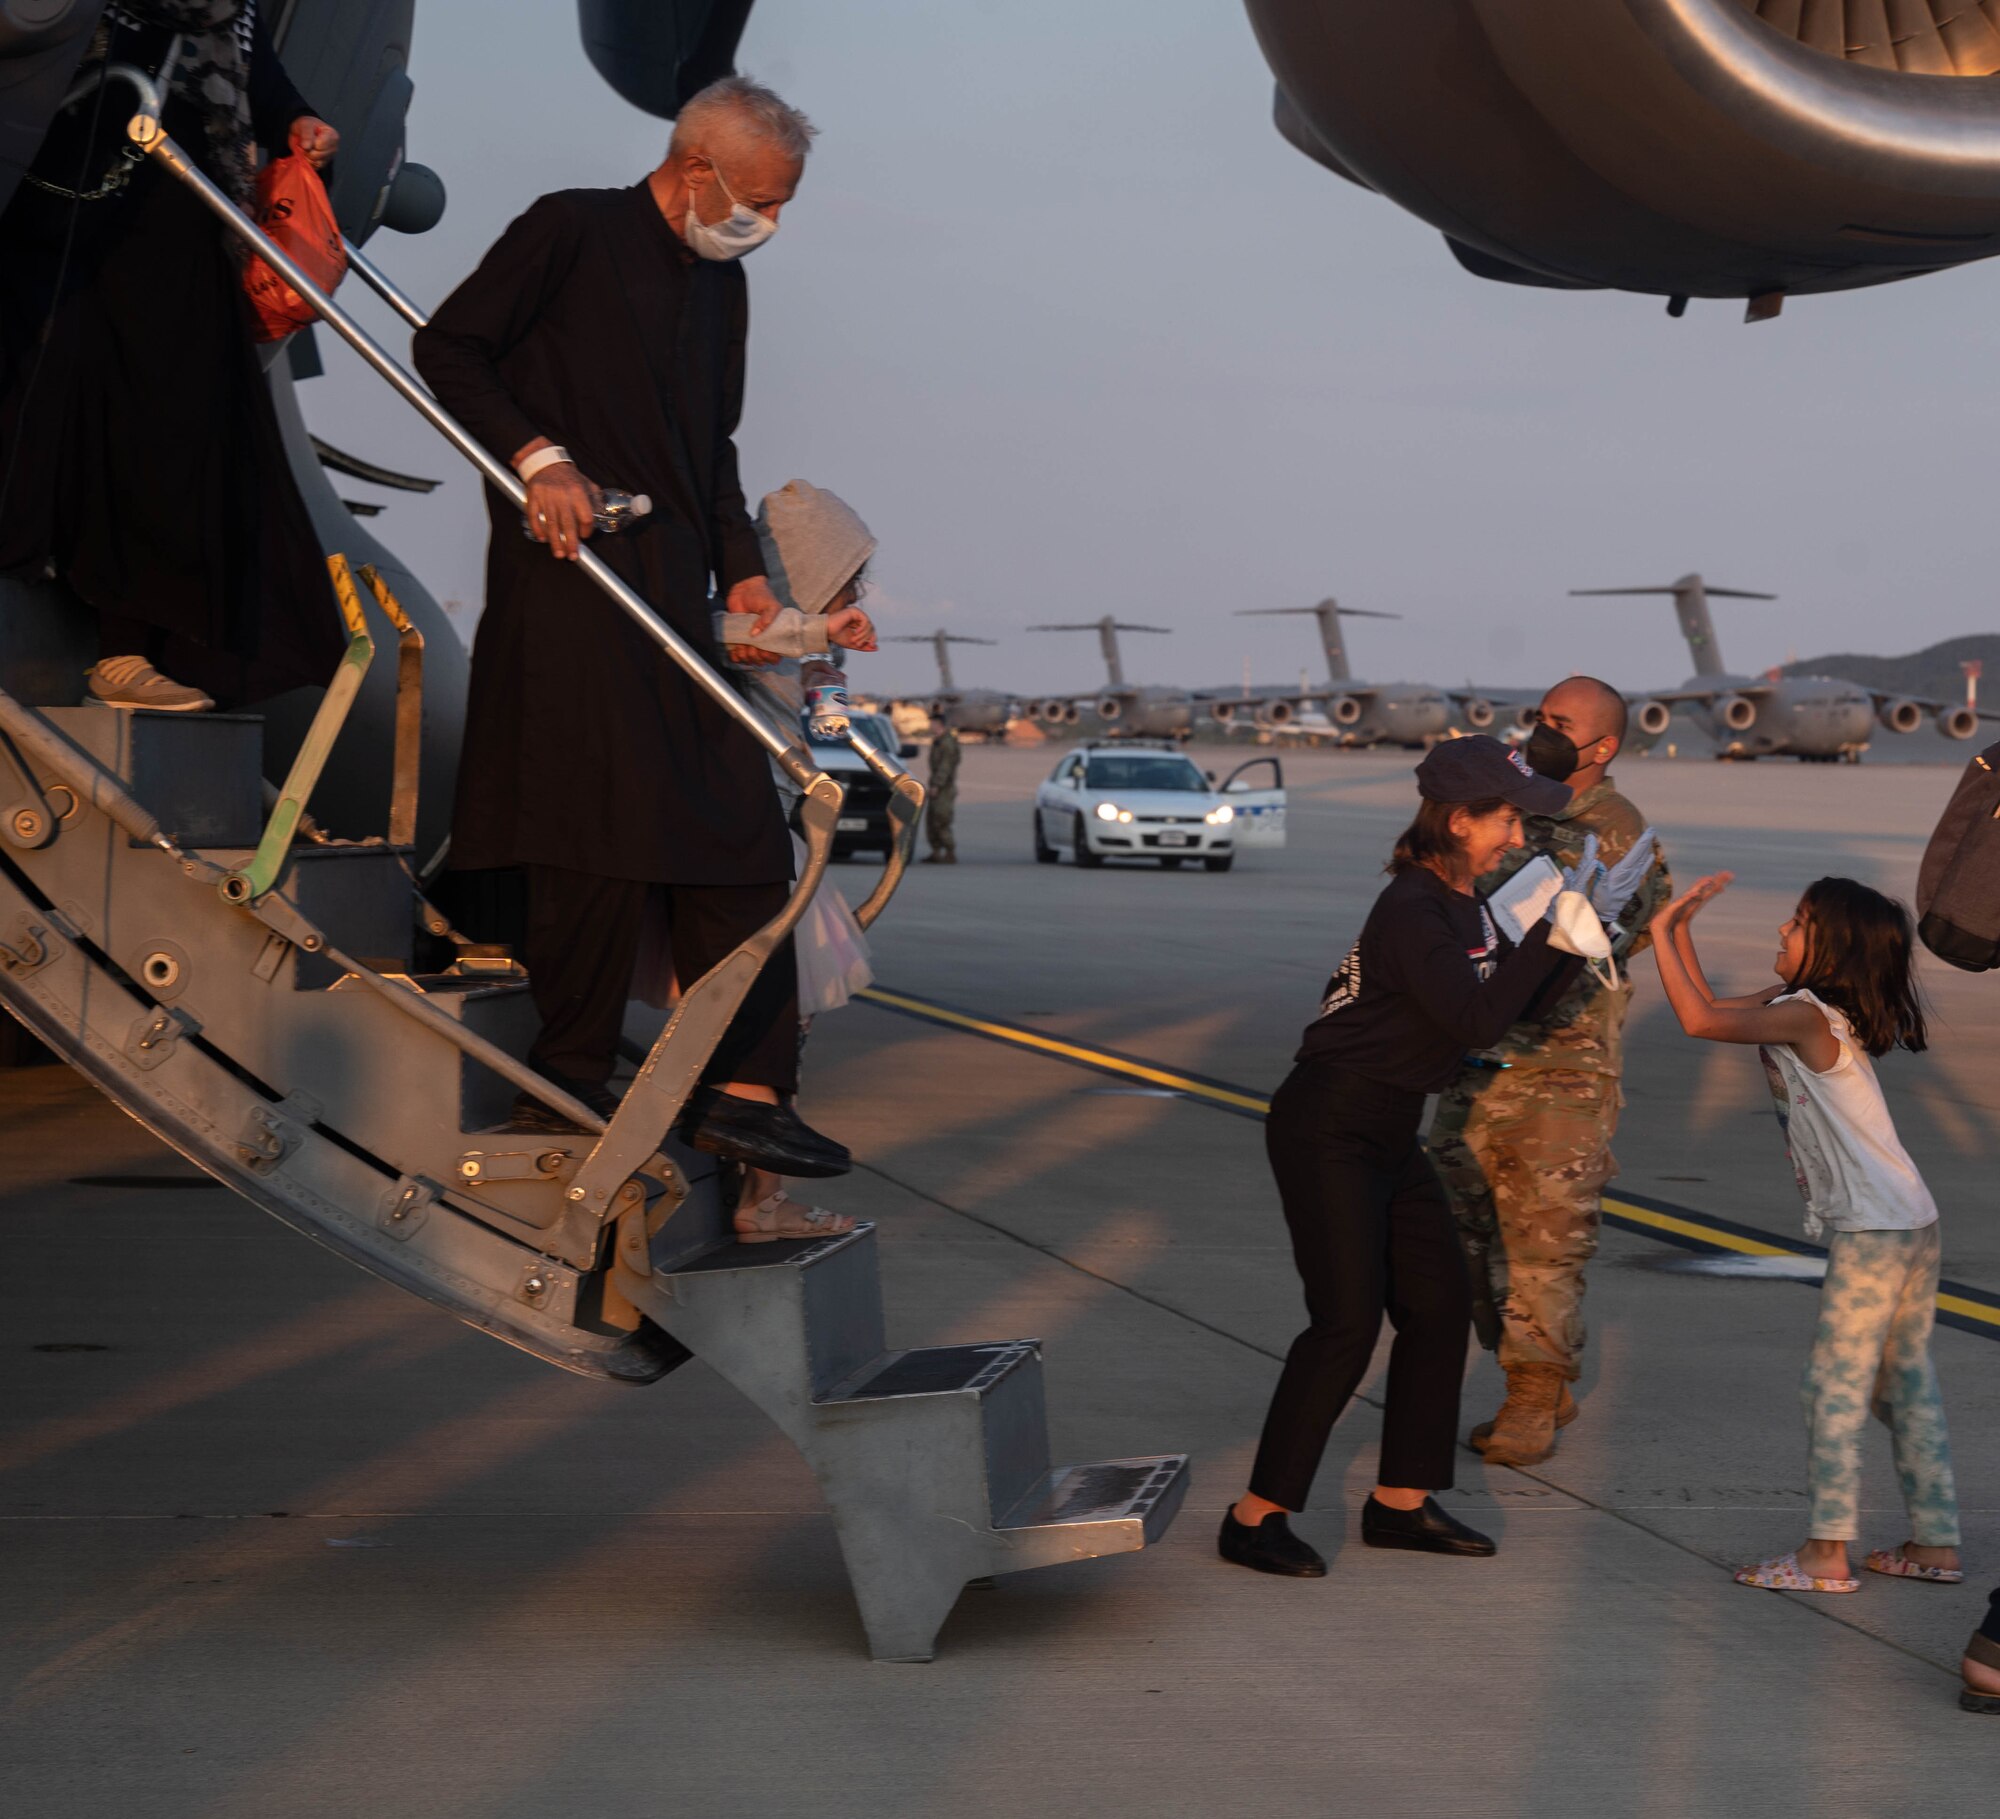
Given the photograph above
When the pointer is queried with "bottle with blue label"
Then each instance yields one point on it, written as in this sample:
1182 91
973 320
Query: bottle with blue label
827 708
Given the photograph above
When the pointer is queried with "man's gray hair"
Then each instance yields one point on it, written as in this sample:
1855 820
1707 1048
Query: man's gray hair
738 102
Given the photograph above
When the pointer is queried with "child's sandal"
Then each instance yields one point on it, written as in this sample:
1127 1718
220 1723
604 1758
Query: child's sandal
1784 1574
1896 1564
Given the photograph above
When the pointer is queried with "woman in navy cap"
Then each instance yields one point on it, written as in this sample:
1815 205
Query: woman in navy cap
1372 1232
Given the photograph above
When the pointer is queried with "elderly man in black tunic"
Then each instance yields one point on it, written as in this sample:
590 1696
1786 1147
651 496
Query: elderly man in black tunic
600 344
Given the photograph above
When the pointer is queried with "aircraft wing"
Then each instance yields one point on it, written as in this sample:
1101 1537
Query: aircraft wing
1674 697
1883 696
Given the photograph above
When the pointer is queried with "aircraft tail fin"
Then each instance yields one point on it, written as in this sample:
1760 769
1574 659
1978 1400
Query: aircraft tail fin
1691 595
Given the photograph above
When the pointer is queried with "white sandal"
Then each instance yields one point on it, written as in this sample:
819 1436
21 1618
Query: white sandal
1784 1574
778 1216
1896 1564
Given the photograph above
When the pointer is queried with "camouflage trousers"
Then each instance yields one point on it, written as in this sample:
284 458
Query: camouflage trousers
937 825
1525 1154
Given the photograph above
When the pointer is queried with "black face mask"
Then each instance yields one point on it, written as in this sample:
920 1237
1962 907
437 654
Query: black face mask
1551 754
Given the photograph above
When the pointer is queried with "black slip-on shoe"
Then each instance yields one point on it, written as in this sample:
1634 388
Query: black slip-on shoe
1270 1547
772 1137
1427 1530
530 1114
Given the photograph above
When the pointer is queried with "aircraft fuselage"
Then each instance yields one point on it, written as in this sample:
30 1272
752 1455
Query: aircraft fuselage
1795 717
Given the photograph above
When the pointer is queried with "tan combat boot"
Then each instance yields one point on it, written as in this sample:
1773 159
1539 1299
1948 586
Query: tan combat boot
1524 1431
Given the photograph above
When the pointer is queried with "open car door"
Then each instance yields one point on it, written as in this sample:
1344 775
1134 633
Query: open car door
1259 806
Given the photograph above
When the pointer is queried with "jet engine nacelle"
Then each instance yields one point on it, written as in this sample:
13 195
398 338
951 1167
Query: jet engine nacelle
1477 712
1055 711
1346 711
1652 718
1783 150
1737 712
1276 713
1903 716
1957 722
1223 713
1524 716
1110 707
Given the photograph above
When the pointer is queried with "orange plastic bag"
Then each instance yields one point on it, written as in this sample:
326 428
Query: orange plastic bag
292 208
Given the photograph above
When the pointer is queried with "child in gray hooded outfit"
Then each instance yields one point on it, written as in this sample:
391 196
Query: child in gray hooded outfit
816 550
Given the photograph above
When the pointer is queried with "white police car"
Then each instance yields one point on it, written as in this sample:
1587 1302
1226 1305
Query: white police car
1123 800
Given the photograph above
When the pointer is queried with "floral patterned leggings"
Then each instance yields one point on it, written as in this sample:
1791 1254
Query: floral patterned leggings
1872 1355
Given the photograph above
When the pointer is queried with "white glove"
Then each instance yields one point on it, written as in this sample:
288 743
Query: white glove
1621 883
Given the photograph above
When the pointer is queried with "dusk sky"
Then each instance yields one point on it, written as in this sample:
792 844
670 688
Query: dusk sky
1075 331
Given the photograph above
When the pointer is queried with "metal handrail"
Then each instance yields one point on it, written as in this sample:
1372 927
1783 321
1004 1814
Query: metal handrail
377 281
146 132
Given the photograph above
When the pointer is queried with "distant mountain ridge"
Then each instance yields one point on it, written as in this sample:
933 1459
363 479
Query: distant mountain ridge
1933 671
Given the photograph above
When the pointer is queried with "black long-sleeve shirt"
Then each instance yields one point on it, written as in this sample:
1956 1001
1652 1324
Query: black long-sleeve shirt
1426 982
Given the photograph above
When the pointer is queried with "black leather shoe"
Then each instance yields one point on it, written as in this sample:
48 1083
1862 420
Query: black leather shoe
1270 1547
1428 1530
763 1136
530 1114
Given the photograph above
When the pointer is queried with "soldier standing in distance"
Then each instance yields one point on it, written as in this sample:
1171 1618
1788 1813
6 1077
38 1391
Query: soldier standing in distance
1522 1136
943 793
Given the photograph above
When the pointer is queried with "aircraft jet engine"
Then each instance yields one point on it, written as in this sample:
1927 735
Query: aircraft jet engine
1477 712
1686 148
1652 718
1957 722
1901 716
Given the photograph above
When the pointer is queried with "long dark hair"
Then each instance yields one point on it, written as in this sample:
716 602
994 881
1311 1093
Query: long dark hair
1858 955
1429 842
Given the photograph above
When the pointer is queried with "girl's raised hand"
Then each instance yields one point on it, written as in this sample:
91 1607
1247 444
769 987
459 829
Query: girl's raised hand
1691 900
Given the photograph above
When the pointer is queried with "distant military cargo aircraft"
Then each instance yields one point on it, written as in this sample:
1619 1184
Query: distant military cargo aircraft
985 711
1688 148
1158 713
1819 718
1362 713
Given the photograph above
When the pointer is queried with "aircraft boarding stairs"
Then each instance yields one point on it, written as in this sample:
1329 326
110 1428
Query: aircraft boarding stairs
251 989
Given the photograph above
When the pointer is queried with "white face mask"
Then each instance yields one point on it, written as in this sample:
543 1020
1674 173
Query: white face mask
740 231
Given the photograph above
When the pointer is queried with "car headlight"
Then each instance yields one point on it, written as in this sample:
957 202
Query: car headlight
1220 817
1110 811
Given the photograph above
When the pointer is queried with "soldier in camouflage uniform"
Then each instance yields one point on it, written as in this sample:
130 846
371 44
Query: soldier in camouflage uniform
1522 1137
942 795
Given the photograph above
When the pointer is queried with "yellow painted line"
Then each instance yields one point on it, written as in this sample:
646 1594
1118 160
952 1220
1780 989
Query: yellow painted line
1969 1310
1097 1058
1068 1051
1691 1228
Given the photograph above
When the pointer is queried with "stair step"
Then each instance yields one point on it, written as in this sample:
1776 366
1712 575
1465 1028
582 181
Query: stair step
940 1370
1148 1491
780 1253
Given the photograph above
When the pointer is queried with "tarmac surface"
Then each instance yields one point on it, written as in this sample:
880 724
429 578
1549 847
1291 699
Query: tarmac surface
278 1540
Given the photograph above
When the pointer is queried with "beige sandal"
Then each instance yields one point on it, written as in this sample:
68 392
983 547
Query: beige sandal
777 1216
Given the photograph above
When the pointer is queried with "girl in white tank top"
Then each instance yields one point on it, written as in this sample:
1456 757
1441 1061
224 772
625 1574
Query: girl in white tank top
1846 997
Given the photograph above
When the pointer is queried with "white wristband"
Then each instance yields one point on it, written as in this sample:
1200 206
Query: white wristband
541 458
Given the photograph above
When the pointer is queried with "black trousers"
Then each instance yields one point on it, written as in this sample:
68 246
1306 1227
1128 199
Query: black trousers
582 942
1372 1234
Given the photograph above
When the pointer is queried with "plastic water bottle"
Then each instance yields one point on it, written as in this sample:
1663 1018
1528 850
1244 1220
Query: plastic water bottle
827 709
617 511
